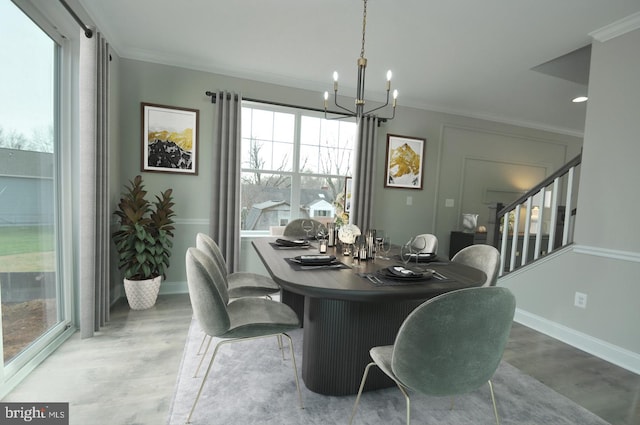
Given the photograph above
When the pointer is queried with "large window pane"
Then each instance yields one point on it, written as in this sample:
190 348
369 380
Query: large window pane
265 200
294 165
28 271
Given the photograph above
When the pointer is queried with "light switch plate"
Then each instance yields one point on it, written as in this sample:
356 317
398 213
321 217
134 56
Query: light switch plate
449 203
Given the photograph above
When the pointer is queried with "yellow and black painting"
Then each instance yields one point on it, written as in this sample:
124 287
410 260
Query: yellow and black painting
404 162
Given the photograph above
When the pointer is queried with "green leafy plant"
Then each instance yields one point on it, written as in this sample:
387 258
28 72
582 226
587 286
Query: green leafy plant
143 240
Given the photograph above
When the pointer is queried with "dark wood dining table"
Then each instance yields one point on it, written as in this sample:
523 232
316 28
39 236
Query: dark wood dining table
344 314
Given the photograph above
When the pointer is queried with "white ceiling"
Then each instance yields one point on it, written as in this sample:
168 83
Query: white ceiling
470 57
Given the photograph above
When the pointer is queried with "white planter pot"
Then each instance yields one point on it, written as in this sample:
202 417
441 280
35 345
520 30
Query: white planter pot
142 294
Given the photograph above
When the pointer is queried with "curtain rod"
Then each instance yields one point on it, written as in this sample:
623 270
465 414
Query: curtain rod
88 32
214 96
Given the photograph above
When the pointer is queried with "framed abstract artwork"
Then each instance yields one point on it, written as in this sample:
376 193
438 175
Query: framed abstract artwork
404 162
169 139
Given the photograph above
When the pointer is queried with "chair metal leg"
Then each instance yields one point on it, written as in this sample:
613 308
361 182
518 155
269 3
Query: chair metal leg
228 341
206 350
280 346
364 379
407 399
204 338
493 400
295 367
204 379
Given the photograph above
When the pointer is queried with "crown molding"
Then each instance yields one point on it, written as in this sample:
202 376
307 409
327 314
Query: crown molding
617 28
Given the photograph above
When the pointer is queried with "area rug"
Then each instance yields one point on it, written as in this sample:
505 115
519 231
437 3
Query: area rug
250 383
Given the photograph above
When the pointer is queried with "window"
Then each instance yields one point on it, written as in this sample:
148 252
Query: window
294 164
31 290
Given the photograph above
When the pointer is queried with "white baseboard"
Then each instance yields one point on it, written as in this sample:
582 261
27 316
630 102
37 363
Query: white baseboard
168 288
619 356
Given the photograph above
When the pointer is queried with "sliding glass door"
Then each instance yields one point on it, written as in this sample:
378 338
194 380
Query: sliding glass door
30 288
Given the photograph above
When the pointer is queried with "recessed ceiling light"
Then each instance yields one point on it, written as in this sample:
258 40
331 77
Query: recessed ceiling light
580 99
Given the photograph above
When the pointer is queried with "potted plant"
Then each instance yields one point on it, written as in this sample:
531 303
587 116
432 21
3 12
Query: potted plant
143 242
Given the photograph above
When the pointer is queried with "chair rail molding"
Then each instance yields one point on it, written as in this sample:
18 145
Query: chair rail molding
607 253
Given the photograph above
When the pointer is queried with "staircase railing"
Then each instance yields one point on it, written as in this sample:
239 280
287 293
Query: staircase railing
539 222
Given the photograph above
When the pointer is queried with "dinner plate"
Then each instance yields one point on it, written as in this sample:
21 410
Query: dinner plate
288 243
401 273
422 257
315 260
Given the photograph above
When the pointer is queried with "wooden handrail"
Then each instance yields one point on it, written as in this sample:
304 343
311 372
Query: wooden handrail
544 183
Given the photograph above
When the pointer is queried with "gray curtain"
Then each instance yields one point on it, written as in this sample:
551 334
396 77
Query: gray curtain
225 208
364 173
93 196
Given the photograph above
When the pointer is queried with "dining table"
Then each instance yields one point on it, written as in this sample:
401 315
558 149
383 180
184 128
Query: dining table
347 306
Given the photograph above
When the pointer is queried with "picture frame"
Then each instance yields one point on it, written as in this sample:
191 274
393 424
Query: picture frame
404 162
169 141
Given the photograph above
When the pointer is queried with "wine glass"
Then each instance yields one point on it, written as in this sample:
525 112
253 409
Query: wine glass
418 246
385 246
307 226
379 240
406 251
322 232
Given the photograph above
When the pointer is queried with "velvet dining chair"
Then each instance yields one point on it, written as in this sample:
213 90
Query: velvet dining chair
426 243
239 284
482 257
294 229
236 320
451 344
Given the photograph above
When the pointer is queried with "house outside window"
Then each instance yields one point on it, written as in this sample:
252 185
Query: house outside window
294 165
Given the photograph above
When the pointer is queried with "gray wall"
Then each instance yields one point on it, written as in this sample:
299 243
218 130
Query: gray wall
605 262
452 141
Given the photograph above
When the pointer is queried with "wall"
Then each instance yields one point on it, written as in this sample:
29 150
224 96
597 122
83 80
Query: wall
449 138
605 262
455 147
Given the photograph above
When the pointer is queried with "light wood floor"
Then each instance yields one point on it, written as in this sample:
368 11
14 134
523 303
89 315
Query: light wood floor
127 373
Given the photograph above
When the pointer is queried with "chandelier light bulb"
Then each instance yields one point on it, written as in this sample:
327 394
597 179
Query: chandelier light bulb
335 76
326 95
389 74
395 94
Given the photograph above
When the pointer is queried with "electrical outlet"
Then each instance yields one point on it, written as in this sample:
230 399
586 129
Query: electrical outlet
409 200
580 300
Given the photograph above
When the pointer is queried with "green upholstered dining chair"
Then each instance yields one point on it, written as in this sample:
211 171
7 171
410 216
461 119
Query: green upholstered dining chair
294 229
237 320
482 257
240 284
426 243
451 344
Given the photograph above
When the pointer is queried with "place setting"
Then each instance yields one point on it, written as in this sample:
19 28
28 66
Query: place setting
281 243
400 275
315 262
